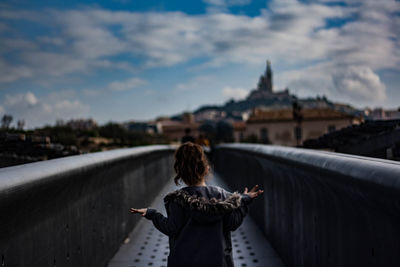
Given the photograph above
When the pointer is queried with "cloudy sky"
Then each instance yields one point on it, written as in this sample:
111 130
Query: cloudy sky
137 59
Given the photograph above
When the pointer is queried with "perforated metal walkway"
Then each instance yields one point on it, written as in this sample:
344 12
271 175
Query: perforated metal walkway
146 246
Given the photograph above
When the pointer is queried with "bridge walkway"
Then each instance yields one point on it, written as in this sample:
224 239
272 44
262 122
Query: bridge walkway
146 246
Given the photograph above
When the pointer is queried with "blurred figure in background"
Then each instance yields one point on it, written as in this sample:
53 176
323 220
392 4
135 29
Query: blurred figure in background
187 137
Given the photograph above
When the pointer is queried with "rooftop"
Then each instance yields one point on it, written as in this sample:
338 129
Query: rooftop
266 115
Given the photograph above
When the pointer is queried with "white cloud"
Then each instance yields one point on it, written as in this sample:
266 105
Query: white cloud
218 6
286 33
37 111
27 98
235 93
90 92
360 83
52 41
215 2
196 83
11 73
126 85
10 44
347 83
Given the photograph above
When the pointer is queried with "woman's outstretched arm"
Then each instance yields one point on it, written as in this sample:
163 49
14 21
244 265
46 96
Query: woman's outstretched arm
233 220
170 225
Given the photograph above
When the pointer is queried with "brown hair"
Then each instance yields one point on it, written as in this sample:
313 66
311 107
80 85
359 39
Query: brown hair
191 164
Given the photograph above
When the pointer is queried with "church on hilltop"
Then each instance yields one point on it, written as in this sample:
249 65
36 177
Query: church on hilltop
265 82
265 88
264 97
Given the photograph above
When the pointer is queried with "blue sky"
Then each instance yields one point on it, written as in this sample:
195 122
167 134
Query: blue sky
138 59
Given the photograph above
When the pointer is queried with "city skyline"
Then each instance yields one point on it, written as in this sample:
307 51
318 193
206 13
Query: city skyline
136 60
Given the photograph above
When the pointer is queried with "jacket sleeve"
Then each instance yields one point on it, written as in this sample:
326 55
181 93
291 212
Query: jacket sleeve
170 225
234 219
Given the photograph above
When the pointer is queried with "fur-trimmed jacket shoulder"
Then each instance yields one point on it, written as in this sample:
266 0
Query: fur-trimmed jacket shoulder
207 205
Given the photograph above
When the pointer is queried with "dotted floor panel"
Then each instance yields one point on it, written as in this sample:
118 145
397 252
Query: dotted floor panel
146 246
149 249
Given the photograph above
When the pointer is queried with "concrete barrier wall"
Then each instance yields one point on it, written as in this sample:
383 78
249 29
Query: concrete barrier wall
320 208
74 211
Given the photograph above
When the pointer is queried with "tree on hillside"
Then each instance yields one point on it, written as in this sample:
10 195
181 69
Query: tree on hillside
113 130
6 121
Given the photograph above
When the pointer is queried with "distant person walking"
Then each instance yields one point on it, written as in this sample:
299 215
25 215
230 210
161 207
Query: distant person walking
200 217
187 137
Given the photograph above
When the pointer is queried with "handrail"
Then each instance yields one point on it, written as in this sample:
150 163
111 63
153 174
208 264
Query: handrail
74 211
319 208
18 176
378 171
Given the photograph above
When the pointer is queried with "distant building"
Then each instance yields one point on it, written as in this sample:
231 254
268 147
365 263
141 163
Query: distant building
174 129
265 81
277 126
239 131
382 114
188 118
264 96
213 115
372 138
265 89
150 127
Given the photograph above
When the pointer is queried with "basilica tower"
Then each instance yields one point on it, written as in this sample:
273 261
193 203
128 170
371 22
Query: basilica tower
265 82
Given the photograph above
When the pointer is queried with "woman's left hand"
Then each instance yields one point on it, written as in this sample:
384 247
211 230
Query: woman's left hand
140 211
254 192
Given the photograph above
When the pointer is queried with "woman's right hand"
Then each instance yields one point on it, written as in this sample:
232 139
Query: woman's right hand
254 192
140 211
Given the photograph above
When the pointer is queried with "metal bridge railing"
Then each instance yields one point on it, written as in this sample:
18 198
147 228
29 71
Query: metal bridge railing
320 208
74 211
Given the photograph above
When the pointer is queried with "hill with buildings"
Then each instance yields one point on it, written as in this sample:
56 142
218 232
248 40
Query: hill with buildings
265 97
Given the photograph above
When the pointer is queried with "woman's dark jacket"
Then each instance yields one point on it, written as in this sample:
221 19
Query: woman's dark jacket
199 224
